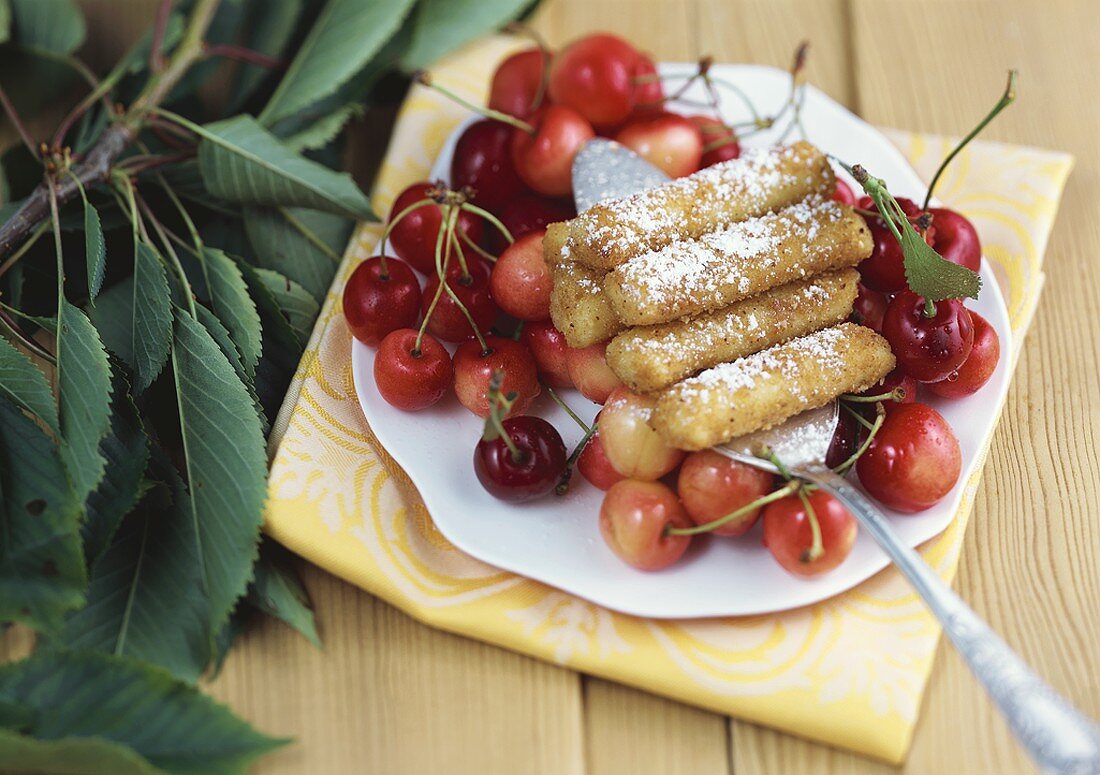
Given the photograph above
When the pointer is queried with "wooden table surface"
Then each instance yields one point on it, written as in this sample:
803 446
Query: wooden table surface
389 695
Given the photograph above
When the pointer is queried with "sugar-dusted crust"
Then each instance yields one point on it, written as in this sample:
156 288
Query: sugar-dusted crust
766 388
648 358
761 181
743 259
578 305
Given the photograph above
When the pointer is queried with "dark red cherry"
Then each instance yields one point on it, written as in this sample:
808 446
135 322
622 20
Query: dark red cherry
527 213
414 238
978 366
515 85
483 161
928 348
956 239
869 308
380 297
447 321
529 471
843 193
884 269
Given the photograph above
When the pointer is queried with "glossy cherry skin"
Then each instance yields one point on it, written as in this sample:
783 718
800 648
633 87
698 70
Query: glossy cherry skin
447 321
649 94
483 161
594 75
544 160
379 298
719 141
474 368
884 269
408 379
978 366
928 348
414 238
897 378
633 519
527 213
869 308
788 533
534 473
956 239
913 462
712 485
629 441
520 280
844 193
595 466
670 142
590 373
548 346
515 84
847 437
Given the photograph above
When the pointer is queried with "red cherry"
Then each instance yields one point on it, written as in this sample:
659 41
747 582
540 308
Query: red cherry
928 348
520 281
712 485
409 379
884 269
515 84
548 346
844 193
595 466
590 373
414 238
649 94
474 368
447 321
532 470
847 437
527 213
978 366
913 461
380 297
483 161
788 533
633 520
869 308
594 75
897 378
668 141
630 443
544 158
719 141
956 239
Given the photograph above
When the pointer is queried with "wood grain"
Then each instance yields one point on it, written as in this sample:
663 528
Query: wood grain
390 695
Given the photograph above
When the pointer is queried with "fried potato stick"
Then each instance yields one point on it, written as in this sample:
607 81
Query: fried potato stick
648 358
736 262
764 389
761 181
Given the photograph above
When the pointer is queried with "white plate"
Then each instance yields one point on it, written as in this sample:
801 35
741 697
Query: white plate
557 540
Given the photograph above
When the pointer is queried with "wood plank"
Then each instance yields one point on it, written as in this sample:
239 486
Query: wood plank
388 694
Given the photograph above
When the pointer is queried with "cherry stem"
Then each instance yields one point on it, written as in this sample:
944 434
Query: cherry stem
498 402
544 49
707 527
462 235
880 417
453 245
929 308
817 548
856 416
450 214
566 475
767 454
1006 99
445 224
492 219
897 394
558 400
390 227
424 79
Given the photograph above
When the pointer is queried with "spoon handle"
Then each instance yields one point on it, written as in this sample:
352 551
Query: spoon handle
1058 737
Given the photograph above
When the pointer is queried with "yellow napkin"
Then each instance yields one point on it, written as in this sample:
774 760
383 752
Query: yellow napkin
849 671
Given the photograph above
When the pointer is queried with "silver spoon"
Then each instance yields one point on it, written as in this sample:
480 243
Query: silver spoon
1058 737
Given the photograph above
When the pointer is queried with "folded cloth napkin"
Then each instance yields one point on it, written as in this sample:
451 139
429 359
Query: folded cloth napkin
849 671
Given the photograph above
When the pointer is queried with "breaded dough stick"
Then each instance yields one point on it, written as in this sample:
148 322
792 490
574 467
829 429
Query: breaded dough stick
761 181
652 357
741 260
764 389
578 305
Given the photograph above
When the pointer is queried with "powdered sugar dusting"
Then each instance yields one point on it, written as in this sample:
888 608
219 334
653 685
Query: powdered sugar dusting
784 361
729 259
